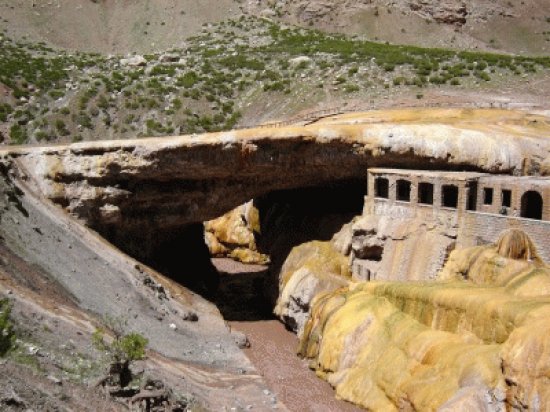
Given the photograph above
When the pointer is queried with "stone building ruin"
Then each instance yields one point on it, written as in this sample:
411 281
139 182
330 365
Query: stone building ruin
427 214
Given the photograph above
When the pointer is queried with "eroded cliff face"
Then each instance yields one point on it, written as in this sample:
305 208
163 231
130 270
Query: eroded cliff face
473 340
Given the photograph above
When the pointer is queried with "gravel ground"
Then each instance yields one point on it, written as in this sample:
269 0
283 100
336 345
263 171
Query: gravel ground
272 347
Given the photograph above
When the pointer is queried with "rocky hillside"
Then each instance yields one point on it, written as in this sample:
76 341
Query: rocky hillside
144 26
472 24
239 72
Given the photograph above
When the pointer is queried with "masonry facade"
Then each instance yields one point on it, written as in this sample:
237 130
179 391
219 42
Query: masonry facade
443 210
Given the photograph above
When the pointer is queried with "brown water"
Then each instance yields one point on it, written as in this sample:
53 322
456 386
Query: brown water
272 347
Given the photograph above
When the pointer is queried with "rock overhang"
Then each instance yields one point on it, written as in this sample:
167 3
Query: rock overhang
161 184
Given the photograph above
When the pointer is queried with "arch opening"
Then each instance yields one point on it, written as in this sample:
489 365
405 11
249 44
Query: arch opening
531 205
287 218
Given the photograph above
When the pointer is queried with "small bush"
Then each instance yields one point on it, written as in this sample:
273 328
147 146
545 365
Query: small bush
353 70
7 334
123 349
340 80
59 124
188 80
5 110
18 134
351 88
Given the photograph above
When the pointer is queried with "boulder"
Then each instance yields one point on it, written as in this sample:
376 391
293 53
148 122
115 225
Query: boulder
296 61
134 61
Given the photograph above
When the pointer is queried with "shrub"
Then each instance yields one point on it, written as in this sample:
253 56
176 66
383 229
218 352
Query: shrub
188 80
351 88
61 128
103 102
302 65
340 80
41 135
18 134
177 103
123 349
5 110
7 334
56 94
84 120
399 80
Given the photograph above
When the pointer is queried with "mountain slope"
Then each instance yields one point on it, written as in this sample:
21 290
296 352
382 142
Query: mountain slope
122 26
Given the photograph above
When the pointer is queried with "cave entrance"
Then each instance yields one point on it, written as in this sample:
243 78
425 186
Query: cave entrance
287 218
531 205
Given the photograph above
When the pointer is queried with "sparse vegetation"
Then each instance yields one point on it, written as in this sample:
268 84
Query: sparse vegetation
7 333
123 349
218 72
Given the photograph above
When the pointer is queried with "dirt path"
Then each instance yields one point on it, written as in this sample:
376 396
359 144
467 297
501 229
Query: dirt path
272 347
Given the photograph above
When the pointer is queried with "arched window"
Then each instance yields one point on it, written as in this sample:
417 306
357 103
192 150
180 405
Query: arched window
381 187
403 191
531 205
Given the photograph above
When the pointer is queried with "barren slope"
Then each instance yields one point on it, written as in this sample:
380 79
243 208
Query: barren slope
111 26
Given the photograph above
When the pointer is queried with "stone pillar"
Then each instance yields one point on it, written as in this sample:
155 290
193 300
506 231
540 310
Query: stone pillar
392 187
437 194
414 190
545 204
462 196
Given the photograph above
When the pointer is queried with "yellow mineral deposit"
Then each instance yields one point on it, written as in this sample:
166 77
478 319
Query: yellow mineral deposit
477 335
233 235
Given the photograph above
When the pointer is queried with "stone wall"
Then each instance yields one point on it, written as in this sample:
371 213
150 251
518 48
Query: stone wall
479 228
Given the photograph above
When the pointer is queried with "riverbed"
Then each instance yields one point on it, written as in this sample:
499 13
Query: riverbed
272 347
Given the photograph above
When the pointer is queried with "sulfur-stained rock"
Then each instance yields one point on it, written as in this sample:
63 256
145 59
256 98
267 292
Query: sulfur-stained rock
387 247
513 262
526 365
342 240
383 359
475 340
310 268
234 235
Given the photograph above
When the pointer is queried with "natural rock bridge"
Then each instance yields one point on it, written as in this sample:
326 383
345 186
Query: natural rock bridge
142 195
138 193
